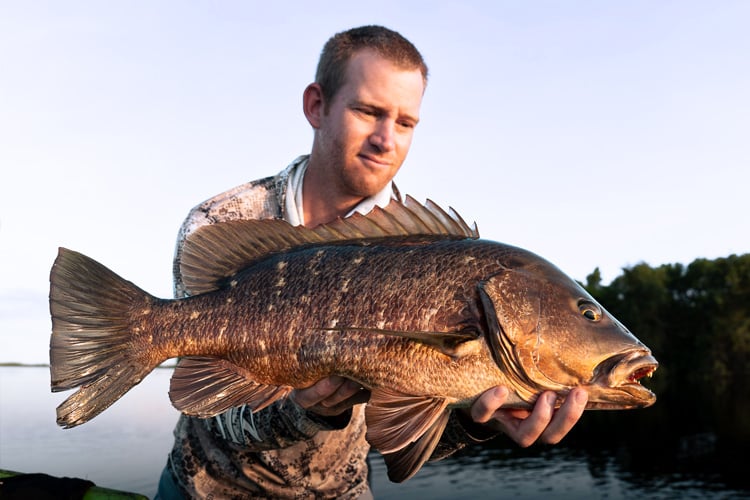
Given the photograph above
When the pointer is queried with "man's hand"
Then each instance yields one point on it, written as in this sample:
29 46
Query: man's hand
543 423
331 396
334 395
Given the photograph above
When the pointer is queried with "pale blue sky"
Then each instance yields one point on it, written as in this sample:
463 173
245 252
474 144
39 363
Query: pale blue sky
594 133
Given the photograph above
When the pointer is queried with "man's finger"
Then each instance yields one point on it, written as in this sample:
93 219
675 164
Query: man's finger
346 390
317 392
525 432
566 417
488 403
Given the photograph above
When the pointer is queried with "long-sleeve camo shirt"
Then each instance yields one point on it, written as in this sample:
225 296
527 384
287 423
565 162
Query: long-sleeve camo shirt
282 451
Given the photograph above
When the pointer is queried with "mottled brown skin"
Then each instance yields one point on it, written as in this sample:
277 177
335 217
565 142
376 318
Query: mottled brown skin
447 319
287 320
297 317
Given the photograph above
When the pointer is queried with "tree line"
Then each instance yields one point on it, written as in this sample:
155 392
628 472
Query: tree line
696 320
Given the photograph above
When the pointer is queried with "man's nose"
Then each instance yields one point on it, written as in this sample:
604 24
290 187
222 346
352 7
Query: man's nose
384 136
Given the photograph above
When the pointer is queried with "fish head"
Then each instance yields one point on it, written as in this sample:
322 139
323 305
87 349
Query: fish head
551 334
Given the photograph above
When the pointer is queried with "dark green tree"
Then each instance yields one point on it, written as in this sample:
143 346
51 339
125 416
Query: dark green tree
696 320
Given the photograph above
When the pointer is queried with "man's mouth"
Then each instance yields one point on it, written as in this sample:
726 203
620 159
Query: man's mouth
376 160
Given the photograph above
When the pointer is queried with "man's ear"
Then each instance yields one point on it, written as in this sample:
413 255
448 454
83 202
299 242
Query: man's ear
312 104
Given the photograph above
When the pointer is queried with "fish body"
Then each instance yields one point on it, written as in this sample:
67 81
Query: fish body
407 301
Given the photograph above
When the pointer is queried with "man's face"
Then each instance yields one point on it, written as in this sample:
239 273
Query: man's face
366 132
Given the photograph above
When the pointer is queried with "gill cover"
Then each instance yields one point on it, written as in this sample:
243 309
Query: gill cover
512 303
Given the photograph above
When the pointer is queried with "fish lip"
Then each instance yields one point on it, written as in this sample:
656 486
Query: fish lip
631 367
622 373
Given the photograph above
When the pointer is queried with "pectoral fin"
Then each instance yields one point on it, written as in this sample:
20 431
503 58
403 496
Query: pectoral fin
405 429
205 387
447 342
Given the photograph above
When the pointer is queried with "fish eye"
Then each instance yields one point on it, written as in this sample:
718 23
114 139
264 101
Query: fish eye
589 310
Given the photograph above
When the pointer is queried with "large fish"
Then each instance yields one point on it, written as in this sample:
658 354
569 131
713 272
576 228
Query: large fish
407 301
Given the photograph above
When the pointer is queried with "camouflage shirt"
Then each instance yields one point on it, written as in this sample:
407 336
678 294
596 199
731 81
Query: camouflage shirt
282 451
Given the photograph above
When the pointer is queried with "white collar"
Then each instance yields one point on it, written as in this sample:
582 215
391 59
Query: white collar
294 213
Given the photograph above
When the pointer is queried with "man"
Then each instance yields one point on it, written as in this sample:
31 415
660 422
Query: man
363 107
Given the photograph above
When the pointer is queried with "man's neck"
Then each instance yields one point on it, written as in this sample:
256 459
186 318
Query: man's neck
321 203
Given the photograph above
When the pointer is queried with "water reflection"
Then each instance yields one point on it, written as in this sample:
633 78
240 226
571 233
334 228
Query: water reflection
652 453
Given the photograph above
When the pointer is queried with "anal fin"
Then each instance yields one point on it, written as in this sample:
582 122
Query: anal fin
205 387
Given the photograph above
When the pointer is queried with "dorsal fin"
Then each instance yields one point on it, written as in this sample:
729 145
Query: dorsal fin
218 251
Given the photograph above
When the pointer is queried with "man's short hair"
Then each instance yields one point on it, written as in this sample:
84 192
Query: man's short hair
341 47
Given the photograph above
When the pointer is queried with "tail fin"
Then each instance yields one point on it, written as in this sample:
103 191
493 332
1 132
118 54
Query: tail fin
92 339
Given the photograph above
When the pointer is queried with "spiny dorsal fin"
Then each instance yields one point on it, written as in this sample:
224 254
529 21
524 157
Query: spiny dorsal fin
215 252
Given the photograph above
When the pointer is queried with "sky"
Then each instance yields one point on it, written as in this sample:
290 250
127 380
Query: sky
593 133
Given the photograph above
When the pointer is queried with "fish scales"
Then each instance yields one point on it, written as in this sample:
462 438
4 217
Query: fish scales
407 301
282 339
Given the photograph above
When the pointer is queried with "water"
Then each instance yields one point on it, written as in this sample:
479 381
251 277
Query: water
123 448
126 447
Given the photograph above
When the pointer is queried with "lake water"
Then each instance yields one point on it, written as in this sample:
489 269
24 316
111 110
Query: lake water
126 448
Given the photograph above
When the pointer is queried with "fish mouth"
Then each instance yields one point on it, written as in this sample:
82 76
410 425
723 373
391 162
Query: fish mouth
618 381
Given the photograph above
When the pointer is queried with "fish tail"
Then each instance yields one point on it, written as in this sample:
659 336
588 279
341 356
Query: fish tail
93 342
